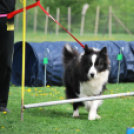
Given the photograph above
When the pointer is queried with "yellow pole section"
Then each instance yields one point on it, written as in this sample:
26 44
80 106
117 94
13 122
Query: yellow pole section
23 58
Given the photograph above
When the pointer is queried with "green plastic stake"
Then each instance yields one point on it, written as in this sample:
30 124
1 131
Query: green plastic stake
119 57
45 61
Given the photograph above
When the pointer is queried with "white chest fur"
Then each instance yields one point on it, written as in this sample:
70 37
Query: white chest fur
94 86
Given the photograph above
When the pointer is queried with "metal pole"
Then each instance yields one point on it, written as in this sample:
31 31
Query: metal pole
118 76
23 58
46 25
85 7
110 22
101 97
97 21
45 76
82 24
69 19
45 69
57 18
35 19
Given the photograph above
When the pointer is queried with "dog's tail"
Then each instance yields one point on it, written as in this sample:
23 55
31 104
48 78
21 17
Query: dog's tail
68 54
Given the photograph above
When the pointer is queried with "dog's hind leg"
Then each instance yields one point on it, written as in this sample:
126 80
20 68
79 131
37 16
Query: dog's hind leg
71 95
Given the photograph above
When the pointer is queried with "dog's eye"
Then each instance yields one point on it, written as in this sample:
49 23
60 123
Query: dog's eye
101 62
89 63
97 65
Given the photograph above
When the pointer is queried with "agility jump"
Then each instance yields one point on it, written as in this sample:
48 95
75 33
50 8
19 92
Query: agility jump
101 97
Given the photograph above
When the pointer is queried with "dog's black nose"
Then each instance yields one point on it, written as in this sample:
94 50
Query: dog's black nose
92 75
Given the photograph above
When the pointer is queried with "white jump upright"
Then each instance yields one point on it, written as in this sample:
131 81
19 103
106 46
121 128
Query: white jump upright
100 97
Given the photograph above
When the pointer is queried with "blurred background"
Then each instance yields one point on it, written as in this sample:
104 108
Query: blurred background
102 20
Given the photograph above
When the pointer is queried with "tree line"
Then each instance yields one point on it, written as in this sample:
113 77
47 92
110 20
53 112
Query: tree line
122 8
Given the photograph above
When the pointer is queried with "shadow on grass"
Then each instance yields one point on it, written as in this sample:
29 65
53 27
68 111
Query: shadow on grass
54 113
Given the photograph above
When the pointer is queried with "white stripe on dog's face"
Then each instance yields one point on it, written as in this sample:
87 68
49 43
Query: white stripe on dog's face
92 70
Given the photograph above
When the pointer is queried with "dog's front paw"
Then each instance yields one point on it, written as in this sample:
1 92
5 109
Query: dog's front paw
97 116
92 117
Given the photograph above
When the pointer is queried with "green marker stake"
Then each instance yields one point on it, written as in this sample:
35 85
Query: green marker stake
119 58
45 62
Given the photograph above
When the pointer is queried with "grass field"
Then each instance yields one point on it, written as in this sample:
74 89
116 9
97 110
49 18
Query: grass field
117 114
41 37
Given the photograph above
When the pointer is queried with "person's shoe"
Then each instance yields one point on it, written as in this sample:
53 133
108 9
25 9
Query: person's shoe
4 109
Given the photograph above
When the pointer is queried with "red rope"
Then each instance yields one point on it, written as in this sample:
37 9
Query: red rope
12 14
60 25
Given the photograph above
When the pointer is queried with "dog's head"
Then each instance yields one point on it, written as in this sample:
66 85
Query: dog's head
94 61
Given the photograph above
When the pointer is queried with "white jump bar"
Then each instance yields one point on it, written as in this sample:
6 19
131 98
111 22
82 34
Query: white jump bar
100 97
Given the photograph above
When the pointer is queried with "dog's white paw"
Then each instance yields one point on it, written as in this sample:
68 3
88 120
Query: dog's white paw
76 114
92 117
98 117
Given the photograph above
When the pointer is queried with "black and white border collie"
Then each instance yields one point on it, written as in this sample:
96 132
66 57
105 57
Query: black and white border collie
85 75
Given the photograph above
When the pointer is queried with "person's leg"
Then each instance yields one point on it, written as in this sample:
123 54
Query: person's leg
6 53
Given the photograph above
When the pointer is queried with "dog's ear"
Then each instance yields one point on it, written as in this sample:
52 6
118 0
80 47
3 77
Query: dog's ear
103 51
87 50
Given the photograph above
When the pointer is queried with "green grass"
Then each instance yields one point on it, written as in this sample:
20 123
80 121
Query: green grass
117 114
41 37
